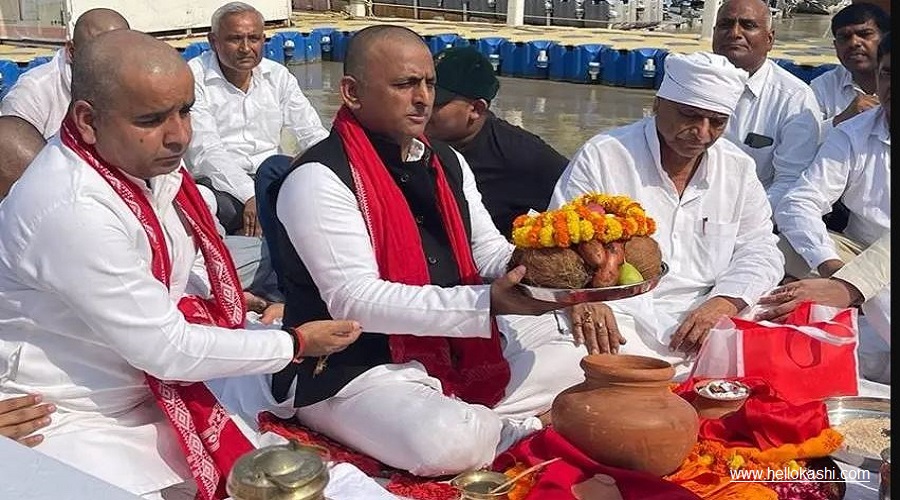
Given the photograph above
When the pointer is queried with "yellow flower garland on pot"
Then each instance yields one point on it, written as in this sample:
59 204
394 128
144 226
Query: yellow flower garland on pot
575 223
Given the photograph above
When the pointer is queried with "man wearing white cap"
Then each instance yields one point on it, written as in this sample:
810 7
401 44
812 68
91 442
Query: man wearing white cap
712 214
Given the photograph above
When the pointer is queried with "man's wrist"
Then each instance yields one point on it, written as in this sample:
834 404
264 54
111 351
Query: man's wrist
855 296
299 343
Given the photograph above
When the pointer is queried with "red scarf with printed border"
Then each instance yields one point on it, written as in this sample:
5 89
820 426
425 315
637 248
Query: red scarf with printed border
472 369
211 442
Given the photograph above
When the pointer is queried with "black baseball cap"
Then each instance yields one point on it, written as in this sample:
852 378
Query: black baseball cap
463 71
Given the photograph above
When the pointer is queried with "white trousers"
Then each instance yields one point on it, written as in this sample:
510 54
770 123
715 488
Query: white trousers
398 414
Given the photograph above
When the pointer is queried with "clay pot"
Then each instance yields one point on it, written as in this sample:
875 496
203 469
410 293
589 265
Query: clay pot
625 415
708 407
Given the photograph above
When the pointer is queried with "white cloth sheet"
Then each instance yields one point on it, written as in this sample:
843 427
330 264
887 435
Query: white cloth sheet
777 105
235 131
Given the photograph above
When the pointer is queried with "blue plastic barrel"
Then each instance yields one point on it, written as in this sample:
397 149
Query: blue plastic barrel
614 66
193 50
536 58
274 48
37 61
339 41
642 68
9 73
510 61
325 36
560 62
312 47
294 46
584 63
660 67
491 48
439 43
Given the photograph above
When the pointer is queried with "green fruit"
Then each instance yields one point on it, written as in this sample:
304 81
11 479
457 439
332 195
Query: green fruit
629 275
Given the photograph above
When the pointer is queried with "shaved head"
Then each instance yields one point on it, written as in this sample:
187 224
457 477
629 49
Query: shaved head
20 142
104 64
365 42
97 21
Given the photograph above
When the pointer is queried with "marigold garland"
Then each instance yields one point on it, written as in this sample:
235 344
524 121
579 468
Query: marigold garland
575 222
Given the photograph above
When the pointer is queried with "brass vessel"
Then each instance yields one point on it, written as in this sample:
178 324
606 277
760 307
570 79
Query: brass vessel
282 472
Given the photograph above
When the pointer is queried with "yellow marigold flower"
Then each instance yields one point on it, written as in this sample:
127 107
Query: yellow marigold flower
705 460
794 466
587 230
546 236
613 230
736 462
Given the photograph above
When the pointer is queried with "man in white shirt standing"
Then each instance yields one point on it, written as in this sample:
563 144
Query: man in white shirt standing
849 89
387 226
777 120
41 96
243 103
713 219
102 311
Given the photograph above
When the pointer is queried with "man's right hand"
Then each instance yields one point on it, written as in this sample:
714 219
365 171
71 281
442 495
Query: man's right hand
506 298
322 338
21 416
860 103
251 220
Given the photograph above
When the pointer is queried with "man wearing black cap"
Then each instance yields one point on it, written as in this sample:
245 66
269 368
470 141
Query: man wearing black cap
514 169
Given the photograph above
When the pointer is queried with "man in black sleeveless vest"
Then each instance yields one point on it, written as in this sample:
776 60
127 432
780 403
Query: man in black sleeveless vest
378 224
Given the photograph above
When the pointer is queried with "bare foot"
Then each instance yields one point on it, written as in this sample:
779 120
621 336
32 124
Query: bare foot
545 418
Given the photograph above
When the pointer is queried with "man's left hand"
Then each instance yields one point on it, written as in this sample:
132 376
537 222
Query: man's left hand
694 329
594 325
251 220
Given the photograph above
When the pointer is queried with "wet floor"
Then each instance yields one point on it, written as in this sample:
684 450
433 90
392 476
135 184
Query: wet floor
563 114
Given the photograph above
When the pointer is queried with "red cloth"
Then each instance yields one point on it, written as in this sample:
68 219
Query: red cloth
211 442
556 480
472 369
766 420
799 365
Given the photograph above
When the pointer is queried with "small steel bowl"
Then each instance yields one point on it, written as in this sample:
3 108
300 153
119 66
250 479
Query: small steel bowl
572 296
475 485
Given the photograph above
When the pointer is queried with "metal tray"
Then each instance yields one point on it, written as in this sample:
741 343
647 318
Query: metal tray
571 296
845 408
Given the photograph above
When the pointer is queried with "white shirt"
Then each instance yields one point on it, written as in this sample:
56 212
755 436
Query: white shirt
853 165
82 319
324 223
779 106
716 238
835 90
235 131
41 95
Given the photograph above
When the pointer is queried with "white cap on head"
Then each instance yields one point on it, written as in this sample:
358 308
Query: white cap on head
703 80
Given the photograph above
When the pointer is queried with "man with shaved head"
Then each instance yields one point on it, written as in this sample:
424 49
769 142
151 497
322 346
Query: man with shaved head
20 142
41 96
117 296
777 121
378 223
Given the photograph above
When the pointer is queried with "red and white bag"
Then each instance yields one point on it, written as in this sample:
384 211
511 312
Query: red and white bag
811 356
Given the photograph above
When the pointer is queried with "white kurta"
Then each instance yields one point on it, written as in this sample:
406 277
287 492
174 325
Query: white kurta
235 131
853 165
716 238
82 318
834 90
41 96
778 106
381 411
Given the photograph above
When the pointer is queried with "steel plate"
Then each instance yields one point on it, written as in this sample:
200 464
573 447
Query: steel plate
571 296
846 408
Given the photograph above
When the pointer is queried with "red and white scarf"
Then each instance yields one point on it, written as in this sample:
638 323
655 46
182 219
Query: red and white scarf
209 439
472 369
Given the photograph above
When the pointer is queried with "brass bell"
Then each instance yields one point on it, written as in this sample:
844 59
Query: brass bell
283 472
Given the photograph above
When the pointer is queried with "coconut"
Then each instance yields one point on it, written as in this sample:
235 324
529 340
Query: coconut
551 267
643 253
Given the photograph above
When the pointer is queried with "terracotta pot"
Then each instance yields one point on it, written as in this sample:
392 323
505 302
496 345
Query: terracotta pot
625 415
